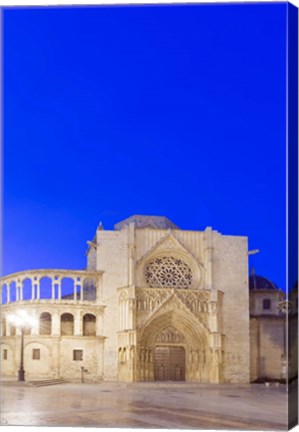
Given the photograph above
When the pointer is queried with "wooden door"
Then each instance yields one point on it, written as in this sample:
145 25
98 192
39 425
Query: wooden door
169 363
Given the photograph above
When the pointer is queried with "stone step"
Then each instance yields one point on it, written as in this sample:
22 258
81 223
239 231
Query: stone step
47 382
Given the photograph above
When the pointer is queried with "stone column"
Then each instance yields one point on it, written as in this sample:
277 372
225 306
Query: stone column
131 313
21 290
80 285
212 317
126 317
8 293
82 291
35 330
53 289
38 290
98 326
59 289
121 319
33 291
125 314
78 324
121 315
56 324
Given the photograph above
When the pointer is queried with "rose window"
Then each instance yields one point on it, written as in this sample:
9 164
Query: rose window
168 272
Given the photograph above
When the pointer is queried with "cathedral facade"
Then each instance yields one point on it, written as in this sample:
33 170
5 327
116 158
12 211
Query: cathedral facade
154 303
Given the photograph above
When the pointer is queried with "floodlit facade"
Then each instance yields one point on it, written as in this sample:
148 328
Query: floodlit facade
154 303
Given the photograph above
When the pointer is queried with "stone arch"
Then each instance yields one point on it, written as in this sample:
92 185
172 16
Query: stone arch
13 291
119 355
67 324
45 286
45 324
89 324
67 287
37 365
4 293
191 335
194 332
27 288
37 342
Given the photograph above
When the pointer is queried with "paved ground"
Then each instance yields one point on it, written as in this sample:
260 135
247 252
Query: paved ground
146 405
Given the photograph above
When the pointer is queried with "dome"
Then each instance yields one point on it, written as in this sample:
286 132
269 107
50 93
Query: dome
261 283
140 221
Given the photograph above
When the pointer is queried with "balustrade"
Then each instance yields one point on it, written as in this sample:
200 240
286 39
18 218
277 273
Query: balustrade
51 285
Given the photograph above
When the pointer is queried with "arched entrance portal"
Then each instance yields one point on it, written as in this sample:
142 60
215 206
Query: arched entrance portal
174 346
169 363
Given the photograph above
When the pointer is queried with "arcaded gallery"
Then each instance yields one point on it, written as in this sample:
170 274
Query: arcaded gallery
154 303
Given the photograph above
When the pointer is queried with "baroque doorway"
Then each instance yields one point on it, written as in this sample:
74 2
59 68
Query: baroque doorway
169 363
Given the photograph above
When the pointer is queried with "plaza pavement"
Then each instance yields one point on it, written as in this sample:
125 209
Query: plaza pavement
145 405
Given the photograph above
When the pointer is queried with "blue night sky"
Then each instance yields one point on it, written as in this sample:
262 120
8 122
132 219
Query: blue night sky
157 110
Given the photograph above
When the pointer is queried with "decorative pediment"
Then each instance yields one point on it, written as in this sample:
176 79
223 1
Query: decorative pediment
168 243
169 264
172 313
172 303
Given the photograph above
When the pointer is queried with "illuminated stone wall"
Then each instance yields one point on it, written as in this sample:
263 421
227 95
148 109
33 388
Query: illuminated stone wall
148 285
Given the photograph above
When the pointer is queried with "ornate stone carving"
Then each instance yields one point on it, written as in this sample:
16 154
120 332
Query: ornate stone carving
196 302
168 272
170 335
150 299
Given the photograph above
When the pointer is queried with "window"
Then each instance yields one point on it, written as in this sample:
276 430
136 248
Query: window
266 304
78 355
36 354
67 324
5 354
89 325
45 324
168 272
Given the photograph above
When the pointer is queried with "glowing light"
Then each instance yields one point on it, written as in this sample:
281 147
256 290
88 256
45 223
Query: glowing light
21 318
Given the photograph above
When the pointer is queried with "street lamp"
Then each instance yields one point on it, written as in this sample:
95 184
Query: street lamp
21 320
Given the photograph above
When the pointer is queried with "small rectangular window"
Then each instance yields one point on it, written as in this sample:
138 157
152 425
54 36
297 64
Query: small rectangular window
5 354
36 354
266 304
78 355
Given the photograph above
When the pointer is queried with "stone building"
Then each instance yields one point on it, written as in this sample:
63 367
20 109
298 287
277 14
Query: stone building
154 303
